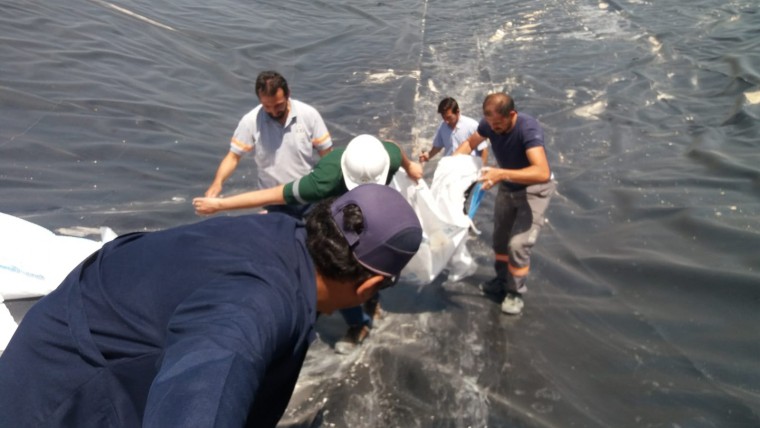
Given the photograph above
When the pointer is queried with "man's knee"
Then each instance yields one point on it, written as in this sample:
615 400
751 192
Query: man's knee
521 246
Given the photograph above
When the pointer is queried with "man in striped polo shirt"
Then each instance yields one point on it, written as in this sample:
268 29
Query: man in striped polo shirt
287 137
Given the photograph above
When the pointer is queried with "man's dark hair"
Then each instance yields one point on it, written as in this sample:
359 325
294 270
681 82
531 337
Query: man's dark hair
446 104
328 247
268 82
503 102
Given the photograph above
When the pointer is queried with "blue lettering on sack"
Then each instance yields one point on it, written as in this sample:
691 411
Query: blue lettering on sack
16 269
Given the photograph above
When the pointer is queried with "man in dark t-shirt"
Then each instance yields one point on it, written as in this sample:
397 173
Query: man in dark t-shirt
525 186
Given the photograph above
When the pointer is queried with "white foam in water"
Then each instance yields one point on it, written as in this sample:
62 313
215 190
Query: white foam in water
591 111
431 86
753 97
78 231
382 76
656 45
498 35
389 75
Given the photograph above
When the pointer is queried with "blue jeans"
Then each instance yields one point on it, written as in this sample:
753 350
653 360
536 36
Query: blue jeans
356 316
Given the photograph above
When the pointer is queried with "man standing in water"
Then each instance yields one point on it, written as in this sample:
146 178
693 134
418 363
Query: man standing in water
525 187
453 131
203 325
285 135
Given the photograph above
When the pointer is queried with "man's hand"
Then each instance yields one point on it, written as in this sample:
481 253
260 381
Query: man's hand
214 190
424 156
489 177
414 171
206 206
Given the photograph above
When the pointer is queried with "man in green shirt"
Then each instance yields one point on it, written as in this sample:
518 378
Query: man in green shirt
364 160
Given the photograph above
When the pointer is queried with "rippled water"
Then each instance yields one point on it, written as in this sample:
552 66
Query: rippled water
645 292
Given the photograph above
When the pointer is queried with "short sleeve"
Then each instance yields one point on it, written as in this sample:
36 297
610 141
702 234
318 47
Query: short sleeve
533 135
320 137
244 138
484 129
438 138
324 181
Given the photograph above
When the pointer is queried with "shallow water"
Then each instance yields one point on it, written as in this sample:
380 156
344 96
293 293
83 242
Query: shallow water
645 293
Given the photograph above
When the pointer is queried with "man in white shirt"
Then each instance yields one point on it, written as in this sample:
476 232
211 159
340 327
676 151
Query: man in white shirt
284 134
454 130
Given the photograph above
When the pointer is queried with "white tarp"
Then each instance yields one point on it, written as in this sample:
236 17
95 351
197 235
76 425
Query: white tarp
34 261
444 223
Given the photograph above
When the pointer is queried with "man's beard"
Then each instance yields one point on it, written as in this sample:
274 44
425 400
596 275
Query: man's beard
279 116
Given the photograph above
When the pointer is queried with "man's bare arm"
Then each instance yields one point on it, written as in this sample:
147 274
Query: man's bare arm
537 172
472 143
257 198
226 167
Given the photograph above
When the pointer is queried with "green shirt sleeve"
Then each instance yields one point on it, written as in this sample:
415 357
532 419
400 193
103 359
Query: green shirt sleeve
324 181
394 152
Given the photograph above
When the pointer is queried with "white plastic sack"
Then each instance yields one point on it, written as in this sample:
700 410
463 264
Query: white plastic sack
444 223
34 261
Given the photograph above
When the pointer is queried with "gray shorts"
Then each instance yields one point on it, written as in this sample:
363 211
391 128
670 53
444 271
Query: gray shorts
518 218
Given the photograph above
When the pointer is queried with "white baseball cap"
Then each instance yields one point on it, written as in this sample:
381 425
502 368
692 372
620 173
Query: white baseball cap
365 160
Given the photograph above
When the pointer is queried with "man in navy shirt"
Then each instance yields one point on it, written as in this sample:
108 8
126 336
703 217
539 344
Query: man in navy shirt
200 325
525 186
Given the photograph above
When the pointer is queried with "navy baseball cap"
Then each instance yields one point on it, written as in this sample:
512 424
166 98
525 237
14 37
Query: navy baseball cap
392 232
